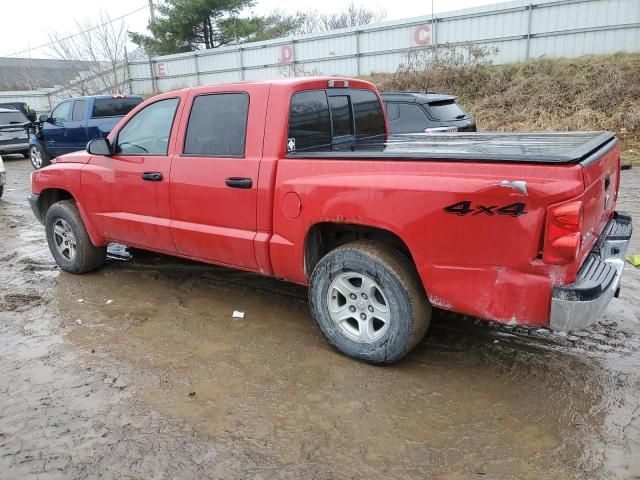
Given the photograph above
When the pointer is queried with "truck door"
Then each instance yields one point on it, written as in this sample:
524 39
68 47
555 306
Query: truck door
127 194
214 176
54 130
76 128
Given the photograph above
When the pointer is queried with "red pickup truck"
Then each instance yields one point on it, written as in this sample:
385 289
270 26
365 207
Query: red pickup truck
298 179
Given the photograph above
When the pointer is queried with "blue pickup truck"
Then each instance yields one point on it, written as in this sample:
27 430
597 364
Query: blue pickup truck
73 122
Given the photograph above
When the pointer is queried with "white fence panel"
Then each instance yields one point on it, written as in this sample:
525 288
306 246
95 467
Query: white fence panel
520 29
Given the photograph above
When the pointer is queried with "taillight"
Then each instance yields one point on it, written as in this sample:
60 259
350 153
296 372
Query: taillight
563 234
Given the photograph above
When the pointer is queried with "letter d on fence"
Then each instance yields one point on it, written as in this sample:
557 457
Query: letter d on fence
286 53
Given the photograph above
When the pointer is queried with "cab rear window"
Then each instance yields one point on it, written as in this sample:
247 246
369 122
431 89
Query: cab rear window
309 121
113 107
368 114
317 120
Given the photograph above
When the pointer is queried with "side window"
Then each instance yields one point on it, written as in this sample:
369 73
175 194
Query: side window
61 113
217 125
114 107
309 120
341 115
79 108
149 130
412 118
368 114
393 111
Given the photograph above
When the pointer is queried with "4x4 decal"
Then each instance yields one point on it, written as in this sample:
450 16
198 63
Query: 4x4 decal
465 208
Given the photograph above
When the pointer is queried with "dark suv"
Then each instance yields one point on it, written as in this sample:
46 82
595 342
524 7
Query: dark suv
13 136
414 112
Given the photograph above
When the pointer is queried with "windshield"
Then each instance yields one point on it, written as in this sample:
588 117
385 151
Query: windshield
446 110
9 118
114 107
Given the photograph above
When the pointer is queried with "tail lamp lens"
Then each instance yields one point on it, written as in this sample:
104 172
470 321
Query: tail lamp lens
563 236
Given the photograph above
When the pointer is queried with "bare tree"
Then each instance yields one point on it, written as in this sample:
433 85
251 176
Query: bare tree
353 16
98 50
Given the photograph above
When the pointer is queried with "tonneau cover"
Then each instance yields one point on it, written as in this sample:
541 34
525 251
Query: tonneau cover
529 147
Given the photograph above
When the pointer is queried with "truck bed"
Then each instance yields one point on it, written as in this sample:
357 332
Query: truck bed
499 147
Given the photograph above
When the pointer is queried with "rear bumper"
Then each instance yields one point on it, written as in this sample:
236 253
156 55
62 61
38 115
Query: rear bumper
21 146
575 306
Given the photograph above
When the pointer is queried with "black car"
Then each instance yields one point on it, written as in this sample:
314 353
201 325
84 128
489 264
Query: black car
22 107
415 112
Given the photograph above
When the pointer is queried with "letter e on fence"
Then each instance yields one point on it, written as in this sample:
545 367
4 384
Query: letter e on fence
161 69
422 35
286 53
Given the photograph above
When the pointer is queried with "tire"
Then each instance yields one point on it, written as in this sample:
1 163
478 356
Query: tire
1 190
390 295
39 156
64 224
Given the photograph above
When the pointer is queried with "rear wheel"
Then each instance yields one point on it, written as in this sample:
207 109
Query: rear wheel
69 241
38 157
368 301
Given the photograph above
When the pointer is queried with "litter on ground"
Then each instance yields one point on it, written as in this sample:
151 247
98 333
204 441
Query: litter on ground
634 260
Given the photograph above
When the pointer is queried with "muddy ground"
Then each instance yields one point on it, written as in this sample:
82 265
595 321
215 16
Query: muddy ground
138 371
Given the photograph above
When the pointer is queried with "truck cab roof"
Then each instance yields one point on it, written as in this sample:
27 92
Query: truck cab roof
102 97
291 84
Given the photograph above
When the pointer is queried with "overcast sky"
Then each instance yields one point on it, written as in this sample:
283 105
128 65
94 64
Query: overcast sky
26 24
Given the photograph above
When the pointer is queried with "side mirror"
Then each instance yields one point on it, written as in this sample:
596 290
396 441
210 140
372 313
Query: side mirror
99 146
44 117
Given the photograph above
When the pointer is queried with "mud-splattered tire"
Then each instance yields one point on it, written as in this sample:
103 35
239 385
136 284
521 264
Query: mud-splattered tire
68 239
368 301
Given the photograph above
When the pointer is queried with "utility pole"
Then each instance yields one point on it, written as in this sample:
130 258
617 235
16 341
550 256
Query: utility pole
152 11
434 33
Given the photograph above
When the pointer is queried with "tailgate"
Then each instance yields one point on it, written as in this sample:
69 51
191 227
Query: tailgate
601 173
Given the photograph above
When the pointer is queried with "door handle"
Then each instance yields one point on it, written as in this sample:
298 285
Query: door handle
238 182
152 176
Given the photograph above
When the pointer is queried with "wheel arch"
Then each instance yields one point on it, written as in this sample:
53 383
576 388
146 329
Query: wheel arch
323 237
49 196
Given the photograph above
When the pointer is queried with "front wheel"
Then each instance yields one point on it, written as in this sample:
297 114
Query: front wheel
38 156
368 301
69 241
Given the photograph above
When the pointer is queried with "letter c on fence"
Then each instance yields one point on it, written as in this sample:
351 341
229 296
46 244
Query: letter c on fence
286 53
422 35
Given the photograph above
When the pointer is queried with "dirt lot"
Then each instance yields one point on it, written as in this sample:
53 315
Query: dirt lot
139 371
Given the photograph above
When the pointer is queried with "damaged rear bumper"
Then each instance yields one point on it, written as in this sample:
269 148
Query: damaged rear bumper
575 306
